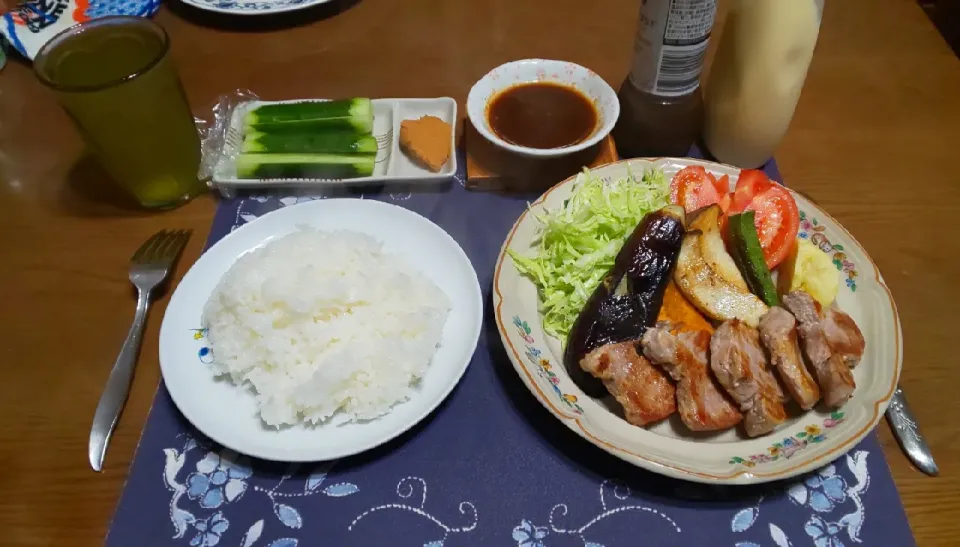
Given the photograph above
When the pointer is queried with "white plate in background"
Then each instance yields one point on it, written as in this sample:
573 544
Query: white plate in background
253 7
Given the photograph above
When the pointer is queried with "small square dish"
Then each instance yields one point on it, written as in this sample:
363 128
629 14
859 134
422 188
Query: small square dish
392 164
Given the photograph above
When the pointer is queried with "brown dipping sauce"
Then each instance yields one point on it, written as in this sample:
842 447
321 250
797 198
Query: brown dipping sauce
541 115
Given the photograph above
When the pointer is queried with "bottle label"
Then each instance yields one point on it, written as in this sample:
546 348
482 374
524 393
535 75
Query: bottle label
670 44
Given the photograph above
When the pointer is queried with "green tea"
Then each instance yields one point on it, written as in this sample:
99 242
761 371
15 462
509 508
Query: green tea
115 79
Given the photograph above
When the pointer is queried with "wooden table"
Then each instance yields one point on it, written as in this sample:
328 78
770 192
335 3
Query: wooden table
875 141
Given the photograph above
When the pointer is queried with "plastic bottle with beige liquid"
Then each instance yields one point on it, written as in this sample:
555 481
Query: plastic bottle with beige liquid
754 84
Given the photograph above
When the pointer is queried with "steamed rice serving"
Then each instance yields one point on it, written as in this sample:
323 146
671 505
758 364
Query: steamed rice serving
324 326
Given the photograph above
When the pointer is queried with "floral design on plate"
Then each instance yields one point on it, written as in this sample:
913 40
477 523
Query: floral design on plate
245 6
205 353
812 434
670 450
544 366
810 228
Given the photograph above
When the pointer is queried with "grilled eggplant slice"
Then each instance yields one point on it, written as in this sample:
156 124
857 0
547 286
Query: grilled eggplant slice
628 299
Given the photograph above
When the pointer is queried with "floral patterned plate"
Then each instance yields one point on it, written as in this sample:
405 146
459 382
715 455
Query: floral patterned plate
253 7
805 442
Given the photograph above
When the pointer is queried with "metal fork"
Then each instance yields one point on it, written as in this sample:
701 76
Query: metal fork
149 266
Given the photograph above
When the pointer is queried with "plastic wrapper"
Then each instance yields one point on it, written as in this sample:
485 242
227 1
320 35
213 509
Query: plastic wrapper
219 145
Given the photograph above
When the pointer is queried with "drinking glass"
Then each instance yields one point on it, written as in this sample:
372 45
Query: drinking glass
115 79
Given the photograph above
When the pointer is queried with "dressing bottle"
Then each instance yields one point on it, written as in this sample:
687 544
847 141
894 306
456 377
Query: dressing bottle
754 84
661 109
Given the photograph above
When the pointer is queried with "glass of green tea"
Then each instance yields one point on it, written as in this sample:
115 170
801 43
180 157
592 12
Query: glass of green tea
115 79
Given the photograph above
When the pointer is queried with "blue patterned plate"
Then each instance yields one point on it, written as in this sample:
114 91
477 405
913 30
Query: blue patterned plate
251 7
805 442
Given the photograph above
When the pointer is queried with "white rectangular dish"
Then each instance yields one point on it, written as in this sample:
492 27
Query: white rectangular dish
392 164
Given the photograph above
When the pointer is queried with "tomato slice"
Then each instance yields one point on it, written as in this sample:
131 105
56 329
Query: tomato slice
750 183
722 184
776 215
725 201
724 204
693 188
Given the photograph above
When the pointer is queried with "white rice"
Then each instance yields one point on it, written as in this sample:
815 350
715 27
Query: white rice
324 323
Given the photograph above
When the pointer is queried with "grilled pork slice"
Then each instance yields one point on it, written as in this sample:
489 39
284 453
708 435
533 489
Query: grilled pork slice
740 366
683 354
778 332
833 374
843 336
644 391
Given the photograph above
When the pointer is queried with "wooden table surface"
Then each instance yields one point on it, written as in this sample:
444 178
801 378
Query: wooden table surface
875 141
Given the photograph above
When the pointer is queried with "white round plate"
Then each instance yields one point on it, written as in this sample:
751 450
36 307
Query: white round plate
582 79
253 7
228 414
807 441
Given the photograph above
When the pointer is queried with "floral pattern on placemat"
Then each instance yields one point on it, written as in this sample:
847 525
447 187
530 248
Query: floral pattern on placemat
527 534
205 480
406 488
825 493
530 488
831 499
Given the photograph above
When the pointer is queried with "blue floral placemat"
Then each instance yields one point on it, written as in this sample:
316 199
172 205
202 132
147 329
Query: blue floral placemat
489 467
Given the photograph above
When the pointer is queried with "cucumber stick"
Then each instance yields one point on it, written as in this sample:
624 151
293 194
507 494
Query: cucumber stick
354 115
327 166
338 142
748 254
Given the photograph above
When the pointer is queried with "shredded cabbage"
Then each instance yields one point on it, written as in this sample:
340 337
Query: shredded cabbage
579 241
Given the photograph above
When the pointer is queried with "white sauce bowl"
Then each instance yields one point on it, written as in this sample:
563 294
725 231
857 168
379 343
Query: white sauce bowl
582 79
